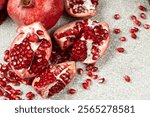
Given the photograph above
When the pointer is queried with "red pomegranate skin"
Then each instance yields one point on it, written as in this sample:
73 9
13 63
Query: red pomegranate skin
47 12
2 4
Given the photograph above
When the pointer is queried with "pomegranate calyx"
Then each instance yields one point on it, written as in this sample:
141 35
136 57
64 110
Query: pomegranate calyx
27 3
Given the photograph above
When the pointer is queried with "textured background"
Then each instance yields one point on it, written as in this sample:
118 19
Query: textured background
113 66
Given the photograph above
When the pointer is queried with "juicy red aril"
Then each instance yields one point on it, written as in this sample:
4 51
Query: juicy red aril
117 16
90 74
142 8
133 17
134 29
146 26
40 32
133 35
123 38
120 50
143 16
30 95
18 92
95 77
101 80
1 92
2 83
8 87
88 81
85 85
6 56
91 68
80 71
137 22
127 78
71 91
117 30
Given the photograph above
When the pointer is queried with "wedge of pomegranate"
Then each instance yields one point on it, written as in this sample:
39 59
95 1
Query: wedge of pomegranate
25 12
30 50
89 39
81 8
54 79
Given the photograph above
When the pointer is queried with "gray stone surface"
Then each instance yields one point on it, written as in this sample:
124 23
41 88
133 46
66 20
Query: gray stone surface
113 66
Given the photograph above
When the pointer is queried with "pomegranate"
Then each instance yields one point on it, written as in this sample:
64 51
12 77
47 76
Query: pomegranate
30 51
25 12
81 8
2 4
89 39
54 79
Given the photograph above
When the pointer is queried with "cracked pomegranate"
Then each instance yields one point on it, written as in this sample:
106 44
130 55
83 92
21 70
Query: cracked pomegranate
26 12
54 79
89 39
81 8
30 52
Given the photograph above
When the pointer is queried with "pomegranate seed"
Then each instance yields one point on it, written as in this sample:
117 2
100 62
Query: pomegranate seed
123 38
133 17
71 91
2 83
18 92
40 32
143 16
1 93
142 8
117 30
101 80
146 26
137 22
88 81
6 94
135 29
90 74
30 95
117 16
85 85
94 69
133 35
95 76
127 78
80 71
120 50
12 91
8 87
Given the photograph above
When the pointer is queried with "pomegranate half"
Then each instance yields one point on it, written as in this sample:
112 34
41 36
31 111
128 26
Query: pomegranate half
81 8
25 12
30 50
89 39
54 79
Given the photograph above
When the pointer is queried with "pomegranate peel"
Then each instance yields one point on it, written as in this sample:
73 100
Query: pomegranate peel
54 79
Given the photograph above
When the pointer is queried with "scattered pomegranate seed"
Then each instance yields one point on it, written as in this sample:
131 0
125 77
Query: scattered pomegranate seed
117 16
143 16
123 38
117 30
80 71
71 91
95 77
88 81
85 85
134 29
90 74
133 35
133 17
137 22
127 78
30 95
142 8
146 26
101 80
120 50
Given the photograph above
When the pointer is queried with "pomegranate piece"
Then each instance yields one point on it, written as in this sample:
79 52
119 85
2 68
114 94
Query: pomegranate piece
54 79
30 52
26 12
89 39
81 8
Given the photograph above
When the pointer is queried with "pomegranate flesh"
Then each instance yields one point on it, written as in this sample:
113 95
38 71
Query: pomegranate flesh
54 79
89 39
81 8
26 12
30 51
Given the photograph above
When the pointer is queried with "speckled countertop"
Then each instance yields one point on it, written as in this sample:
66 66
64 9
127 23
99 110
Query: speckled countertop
113 66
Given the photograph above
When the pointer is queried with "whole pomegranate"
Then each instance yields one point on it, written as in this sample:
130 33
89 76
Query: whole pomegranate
54 79
25 12
30 50
2 4
81 8
89 39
